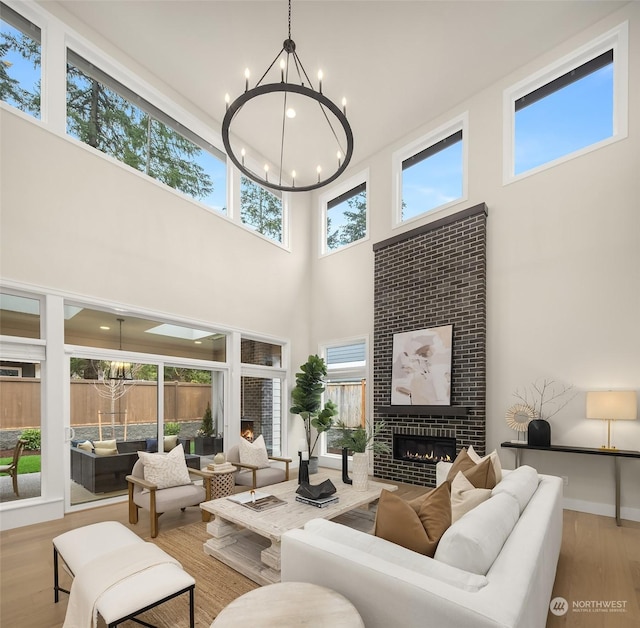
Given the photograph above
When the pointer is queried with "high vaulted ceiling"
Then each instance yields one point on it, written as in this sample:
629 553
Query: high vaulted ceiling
399 64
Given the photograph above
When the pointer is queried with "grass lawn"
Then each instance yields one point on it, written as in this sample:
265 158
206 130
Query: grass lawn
26 464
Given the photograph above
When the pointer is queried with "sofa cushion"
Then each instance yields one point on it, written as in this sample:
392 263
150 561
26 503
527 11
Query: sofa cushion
465 496
170 442
103 451
521 484
105 444
417 526
474 541
166 470
493 456
393 553
254 453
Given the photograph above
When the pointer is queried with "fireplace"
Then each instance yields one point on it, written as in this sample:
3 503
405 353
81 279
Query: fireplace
423 449
246 429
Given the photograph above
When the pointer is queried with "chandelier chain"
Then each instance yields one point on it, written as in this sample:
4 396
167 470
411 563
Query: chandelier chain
289 19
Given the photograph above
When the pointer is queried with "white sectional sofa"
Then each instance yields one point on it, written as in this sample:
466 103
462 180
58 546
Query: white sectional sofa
493 567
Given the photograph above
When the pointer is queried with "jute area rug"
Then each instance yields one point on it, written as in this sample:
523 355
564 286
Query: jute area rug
216 584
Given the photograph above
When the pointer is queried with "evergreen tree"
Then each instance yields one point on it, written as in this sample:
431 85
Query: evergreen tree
102 118
261 209
356 226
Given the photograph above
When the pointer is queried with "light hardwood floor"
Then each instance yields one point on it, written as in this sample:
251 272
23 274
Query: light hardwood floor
599 562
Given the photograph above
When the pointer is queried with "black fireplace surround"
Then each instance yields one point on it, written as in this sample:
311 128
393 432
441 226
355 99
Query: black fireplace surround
423 449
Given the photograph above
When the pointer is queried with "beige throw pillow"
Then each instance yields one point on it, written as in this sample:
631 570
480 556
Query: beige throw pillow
170 442
254 453
105 444
87 445
166 470
493 456
103 451
461 463
465 496
416 525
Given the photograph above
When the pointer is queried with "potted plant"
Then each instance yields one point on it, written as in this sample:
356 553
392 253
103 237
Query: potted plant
307 402
359 440
205 442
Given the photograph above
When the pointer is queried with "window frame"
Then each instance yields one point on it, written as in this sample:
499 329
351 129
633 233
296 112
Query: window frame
424 142
350 370
357 180
616 39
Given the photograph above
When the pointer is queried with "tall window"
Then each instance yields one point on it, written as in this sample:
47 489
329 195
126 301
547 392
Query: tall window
569 108
430 174
20 53
345 214
110 117
346 386
260 209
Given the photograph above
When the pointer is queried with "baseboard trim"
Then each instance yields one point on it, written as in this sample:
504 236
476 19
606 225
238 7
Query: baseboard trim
606 510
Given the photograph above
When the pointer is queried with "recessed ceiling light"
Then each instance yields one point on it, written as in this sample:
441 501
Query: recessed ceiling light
105 327
197 342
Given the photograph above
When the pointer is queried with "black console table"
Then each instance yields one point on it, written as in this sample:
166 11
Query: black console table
616 454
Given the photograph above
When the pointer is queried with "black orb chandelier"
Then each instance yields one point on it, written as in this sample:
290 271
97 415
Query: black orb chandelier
293 104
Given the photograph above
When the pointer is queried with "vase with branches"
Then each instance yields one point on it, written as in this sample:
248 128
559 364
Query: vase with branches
543 394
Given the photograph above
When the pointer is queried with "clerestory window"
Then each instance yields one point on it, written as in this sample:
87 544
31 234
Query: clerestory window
261 210
430 174
569 108
107 115
20 62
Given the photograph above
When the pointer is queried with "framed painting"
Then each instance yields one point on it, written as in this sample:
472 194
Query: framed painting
421 372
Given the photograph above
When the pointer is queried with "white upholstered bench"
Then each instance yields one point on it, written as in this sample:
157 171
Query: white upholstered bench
129 597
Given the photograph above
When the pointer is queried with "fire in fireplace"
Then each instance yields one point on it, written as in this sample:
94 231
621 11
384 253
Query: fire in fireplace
246 429
424 449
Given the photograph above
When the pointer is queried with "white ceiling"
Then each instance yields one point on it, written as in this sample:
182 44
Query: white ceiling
399 64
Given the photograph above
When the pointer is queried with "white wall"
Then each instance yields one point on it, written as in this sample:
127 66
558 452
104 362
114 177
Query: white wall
563 278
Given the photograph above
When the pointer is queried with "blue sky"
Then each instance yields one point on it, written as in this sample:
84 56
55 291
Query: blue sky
576 116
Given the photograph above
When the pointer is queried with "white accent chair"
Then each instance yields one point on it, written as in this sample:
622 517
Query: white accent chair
146 495
254 477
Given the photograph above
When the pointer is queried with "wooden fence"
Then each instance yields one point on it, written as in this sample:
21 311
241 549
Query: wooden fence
20 402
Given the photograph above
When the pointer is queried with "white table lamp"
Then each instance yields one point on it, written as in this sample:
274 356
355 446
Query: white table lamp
612 405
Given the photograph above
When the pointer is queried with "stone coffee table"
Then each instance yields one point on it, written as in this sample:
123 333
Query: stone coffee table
249 541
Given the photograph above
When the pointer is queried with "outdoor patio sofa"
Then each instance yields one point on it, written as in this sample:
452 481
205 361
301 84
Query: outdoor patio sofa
103 474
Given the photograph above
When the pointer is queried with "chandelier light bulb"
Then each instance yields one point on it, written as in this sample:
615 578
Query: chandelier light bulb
318 170
344 106
320 75
339 156
266 172
293 178
282 66
243 152
247 74
227 100
291 112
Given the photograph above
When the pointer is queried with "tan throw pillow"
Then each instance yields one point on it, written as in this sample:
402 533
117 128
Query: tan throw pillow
170 442
254 453
461 463
103 451
166 470
416 525
105 444
465 496
481 475
495 461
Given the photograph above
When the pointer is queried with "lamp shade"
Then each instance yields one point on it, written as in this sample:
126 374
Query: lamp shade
619 405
